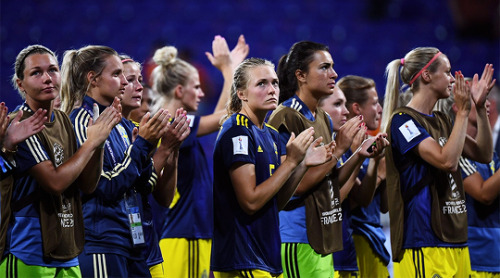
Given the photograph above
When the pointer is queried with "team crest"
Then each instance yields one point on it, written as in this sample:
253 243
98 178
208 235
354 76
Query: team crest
58 154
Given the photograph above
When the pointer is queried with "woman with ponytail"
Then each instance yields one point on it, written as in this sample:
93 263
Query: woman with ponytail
251 183
311 224
46 224
114 240
186 228
426 194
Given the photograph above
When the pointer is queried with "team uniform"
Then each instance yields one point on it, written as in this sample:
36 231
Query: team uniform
245 245
27 244
368 236
7 165
426 217
152 252
186 228
299 257
114 235
367 241
345 262
484 223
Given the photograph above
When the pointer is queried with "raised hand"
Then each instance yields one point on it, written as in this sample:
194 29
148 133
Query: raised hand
4 121
348 131
153 129
239 52
318 154
102 123
18 131
296 147
221 58
178 130
462 93
479 88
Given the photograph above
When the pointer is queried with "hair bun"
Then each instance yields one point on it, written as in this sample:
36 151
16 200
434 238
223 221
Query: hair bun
165 56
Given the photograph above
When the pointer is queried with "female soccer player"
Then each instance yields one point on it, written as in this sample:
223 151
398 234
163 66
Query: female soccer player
425 190
250 183
46 229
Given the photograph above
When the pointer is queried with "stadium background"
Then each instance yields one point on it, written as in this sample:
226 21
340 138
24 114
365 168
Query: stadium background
363 35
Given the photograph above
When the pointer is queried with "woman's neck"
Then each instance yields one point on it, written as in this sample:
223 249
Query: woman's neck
422 102
35 105
126 112
309 100
171 105
257 118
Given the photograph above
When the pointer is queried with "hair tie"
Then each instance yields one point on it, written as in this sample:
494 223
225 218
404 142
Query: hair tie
127 60
424 68
402 61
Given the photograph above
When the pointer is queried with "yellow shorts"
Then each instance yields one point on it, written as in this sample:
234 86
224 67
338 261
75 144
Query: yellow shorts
369 263
157 271
434 262
184 257
346 274
484 274
256 273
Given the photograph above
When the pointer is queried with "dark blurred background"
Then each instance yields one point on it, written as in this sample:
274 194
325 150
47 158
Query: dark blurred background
363 35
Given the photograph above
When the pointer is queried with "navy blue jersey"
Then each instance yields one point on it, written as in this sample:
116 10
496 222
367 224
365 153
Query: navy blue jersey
243 241
483 220
191 213
25 231
293 222
406 134
127 171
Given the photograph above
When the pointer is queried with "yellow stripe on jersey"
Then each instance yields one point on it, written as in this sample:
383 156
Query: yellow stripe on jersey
271 127
241 120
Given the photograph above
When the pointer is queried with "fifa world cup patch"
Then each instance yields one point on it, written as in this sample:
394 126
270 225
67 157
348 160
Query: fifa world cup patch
409 130
191 118
240 145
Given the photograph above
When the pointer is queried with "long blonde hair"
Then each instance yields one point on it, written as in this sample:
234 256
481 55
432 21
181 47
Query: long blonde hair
75 67
406 68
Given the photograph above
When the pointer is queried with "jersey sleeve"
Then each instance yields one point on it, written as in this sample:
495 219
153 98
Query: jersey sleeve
239 146
117 178
406 133
30 153
467 167
6 167
193 125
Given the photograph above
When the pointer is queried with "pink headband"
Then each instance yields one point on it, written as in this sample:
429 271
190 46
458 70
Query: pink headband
425 67
402 61
127 60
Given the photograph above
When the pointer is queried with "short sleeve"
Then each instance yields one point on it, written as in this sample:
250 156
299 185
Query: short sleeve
30 153
467 167
406 133
237 145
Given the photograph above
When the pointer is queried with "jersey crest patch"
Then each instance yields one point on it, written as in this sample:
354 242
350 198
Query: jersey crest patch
191 118
58 154
240 145
259 149
409 130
